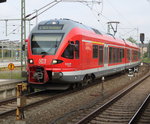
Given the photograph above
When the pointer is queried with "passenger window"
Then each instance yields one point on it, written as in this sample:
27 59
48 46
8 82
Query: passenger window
128 55
69 52
114 55
110 55
117 55
121 54
95 51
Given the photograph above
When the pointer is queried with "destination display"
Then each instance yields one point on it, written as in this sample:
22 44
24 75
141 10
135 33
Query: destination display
50 27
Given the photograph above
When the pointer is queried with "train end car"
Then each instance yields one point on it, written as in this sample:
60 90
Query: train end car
64 53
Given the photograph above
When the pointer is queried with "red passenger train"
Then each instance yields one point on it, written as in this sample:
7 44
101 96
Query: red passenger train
63 52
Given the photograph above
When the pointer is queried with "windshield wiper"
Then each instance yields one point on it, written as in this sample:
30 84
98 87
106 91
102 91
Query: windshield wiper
44 54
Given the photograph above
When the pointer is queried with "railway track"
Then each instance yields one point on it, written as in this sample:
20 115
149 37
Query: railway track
142 116
9 106
116 110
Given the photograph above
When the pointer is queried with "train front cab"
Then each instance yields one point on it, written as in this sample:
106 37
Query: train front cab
61 67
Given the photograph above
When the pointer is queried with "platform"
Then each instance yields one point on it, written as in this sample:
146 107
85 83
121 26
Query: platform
7 82
8 87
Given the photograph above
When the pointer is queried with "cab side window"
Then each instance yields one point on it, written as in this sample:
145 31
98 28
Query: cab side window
68 52
72 50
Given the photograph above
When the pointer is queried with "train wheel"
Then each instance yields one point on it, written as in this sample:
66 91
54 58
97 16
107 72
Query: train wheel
73 86
87 79
92 78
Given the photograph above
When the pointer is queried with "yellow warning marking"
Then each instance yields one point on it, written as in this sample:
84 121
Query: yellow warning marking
11 66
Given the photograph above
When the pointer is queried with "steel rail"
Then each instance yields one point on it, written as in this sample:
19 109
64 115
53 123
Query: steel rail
9 100
140 110
3 102
48 99
13 100
99 110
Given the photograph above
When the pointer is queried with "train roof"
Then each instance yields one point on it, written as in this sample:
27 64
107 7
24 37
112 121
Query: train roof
67 23
130 44
70 24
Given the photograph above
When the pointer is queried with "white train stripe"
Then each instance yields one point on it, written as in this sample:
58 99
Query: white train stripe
109 45
89 71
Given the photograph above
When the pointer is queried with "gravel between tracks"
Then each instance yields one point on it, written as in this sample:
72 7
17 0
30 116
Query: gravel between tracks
49 111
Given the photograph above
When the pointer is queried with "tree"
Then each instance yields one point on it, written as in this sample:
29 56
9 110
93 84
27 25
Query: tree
131 40
148 50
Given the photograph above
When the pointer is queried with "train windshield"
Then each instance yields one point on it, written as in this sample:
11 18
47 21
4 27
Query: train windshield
45 44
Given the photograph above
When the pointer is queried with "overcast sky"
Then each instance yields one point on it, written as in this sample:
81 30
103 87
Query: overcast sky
133 15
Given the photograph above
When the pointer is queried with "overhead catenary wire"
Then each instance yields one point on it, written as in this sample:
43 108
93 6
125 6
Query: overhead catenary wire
46 7
51 4
39 9
119 13
97 12
125 20
98 20
14 30
128 33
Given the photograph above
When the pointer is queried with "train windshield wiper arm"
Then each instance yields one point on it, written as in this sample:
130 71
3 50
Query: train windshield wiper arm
44 54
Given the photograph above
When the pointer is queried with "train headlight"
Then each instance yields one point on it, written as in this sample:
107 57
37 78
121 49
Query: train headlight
30 61
54 22
56 61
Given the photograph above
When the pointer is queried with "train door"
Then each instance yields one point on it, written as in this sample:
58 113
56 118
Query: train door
101 55
76 55
130 56
106 56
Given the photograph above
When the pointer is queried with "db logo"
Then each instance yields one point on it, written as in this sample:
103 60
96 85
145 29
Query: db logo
42 61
